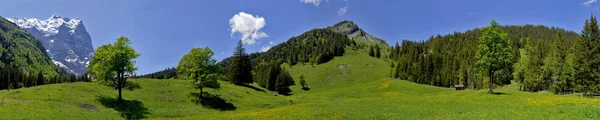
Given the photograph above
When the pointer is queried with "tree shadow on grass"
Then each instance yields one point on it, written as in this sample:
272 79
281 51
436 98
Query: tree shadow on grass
129 109
252 87
212 101
499 93
305 88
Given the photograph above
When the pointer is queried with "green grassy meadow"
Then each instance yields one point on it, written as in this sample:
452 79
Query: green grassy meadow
354 86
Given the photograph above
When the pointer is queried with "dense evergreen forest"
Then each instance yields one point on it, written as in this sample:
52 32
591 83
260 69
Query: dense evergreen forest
163 74
546 58
450 59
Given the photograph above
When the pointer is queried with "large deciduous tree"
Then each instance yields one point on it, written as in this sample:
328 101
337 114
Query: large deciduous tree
493 53
113 64
200 67
240 70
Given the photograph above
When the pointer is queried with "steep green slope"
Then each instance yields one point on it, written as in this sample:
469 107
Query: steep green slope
21 50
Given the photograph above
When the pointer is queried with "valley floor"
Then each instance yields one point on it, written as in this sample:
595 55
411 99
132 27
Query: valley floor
354 86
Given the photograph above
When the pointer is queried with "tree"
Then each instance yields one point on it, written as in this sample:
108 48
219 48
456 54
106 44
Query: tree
200 67
586 58
493 53
371 52
303 82
377 51
554 68
284 81
113 64
40 79
240 70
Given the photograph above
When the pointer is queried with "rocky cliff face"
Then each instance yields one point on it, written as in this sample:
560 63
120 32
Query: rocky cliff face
66 40
355 33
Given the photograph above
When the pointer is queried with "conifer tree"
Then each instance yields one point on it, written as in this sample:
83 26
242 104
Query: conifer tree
240 70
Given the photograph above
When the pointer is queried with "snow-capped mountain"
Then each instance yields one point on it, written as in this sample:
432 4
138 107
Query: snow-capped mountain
65 39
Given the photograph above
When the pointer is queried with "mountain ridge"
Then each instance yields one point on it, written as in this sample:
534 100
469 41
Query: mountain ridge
68 43
21 50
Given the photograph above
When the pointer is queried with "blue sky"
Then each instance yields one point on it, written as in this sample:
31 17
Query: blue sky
164 30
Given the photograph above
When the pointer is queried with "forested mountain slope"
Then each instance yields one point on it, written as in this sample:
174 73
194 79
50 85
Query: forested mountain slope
450 59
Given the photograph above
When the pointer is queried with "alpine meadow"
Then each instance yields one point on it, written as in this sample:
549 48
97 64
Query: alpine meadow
316 59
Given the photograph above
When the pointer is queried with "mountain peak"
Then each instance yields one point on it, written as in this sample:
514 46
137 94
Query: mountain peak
54 17
355 33
66 41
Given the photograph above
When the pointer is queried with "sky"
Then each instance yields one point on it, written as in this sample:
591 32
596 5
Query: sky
164 30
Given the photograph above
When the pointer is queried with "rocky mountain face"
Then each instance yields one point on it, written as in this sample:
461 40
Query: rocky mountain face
19 49
355 33
66 40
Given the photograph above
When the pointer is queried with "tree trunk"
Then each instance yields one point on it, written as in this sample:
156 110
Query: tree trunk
120 86
491 82
201 95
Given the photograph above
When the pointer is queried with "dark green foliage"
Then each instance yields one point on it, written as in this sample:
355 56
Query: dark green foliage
371 52
586 58
377 51
239 71
284 81
271 76
163 74
315 46
14 78
303 82
450 59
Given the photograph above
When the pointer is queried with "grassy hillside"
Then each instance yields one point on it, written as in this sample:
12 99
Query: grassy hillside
354 86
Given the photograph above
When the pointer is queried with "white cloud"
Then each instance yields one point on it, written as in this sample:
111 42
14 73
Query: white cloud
248 26
589 2
265 48
314 2
342 10
271 43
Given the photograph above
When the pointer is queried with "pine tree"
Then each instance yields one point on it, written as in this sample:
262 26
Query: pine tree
377 51
586 59
240 70
371 52
40 79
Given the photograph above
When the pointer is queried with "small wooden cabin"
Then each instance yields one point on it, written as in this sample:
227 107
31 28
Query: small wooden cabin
459 87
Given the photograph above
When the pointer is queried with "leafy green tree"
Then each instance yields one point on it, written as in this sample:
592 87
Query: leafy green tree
113 64
200 67
493 52
303 82
240 69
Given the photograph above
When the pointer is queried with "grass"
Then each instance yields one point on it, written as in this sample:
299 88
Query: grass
354 86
